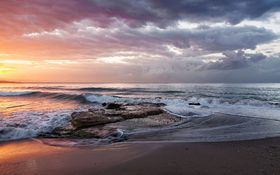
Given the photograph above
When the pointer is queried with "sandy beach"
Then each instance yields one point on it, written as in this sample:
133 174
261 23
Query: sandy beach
240 157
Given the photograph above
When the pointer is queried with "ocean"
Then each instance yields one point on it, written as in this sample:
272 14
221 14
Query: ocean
226 111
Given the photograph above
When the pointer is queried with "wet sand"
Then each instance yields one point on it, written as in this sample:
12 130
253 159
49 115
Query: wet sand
240 157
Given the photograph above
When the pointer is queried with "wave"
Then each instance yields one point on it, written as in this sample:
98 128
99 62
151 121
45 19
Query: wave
96 89
11 133
201 125
83 97
135 90
179 105
248 108
16 93
23 125
178 101
208 106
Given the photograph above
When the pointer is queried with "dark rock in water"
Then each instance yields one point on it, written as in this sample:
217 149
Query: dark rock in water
104 104
194 104
93 132
87 119
113 106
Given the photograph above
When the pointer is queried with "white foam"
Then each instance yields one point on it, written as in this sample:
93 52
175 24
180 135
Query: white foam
102 98
11 133
208 106
250 108
96 98
31 124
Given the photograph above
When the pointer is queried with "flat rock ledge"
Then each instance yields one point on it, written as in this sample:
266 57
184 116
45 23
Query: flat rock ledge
106 122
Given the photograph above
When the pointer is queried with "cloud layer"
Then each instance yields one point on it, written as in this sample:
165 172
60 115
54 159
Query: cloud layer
148 40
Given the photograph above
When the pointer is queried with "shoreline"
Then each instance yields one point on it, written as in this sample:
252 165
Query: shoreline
261 156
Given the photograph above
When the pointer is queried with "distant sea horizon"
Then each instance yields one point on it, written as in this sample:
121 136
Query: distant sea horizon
89 82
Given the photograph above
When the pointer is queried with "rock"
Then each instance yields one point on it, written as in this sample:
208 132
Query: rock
96 117
63 131
115 106
87 119
113 113
102 123
159 120
99 122
96 133
194 104
97 111
141 112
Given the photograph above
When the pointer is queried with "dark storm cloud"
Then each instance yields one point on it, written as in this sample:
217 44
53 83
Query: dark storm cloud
210 38
232 38
163 12
235 60
229 10
190 42
39 14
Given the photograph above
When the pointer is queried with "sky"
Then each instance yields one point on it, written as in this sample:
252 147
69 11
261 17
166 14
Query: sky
148 41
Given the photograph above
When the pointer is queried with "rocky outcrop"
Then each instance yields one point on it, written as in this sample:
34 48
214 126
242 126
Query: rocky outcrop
140 112
87 119
101 117
63 131
103 122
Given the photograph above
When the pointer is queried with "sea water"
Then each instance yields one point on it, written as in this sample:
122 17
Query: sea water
226 111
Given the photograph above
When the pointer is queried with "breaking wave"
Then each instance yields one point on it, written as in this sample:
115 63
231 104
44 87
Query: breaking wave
31 124
253 106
